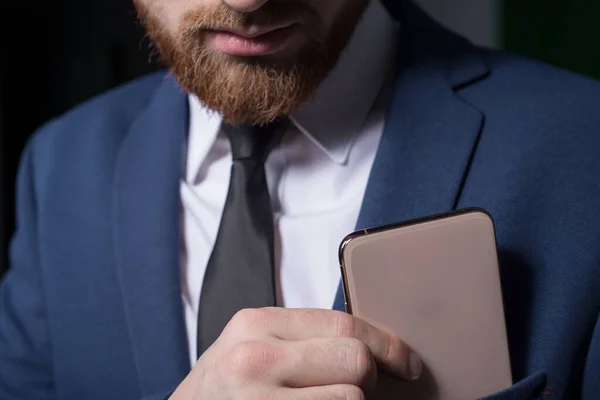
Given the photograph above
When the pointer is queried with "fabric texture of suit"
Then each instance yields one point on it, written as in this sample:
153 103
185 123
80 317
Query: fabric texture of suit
91 308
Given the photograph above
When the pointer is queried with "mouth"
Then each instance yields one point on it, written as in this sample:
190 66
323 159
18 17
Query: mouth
252 42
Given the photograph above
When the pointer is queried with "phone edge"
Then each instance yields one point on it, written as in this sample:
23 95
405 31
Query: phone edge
363 232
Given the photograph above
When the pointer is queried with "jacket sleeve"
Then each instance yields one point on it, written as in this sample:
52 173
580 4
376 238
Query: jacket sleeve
25 351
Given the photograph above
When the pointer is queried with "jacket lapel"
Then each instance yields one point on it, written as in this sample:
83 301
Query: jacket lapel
146 221
431 133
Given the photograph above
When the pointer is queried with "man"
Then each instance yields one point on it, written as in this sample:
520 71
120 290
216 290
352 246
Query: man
145 216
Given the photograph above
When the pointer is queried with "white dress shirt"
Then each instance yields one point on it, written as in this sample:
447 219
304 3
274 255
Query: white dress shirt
317 176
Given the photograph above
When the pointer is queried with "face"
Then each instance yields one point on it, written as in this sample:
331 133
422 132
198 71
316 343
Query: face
251 60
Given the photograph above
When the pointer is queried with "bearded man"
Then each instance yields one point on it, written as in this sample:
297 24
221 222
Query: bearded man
177 237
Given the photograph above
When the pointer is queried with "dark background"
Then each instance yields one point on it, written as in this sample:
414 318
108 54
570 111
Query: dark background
562 32
56 53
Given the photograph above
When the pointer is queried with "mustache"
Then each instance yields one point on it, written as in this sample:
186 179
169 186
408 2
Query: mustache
223 17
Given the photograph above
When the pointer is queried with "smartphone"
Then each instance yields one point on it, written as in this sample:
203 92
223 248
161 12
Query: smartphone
435 283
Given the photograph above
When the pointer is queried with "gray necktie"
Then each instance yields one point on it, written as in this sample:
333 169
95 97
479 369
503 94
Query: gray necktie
240 271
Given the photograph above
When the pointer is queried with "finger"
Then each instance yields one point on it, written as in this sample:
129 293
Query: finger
332 392
327 361
301 324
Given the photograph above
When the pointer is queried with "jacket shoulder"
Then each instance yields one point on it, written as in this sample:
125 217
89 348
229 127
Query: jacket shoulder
84 142
537 100
105 117
514 76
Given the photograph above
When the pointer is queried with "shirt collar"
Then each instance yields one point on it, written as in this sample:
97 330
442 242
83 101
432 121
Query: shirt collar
339 109
337 112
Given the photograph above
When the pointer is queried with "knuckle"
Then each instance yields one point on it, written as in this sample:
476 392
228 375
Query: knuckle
249 359
246 319
345 325
350 392
360 362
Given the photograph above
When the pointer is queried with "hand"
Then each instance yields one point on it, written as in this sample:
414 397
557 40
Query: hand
287 354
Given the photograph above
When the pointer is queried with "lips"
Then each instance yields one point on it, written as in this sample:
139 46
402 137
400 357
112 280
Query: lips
251 42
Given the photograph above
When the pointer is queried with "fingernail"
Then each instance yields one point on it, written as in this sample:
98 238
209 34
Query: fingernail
415 366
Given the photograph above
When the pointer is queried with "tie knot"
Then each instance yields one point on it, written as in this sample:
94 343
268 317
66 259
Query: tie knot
253 142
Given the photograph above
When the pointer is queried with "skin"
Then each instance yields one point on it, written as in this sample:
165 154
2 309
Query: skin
172 11
288 354
281 354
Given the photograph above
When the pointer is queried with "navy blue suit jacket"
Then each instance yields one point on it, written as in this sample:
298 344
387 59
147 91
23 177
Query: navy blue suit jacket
91 308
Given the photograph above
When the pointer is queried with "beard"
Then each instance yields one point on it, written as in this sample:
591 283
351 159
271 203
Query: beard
251 90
